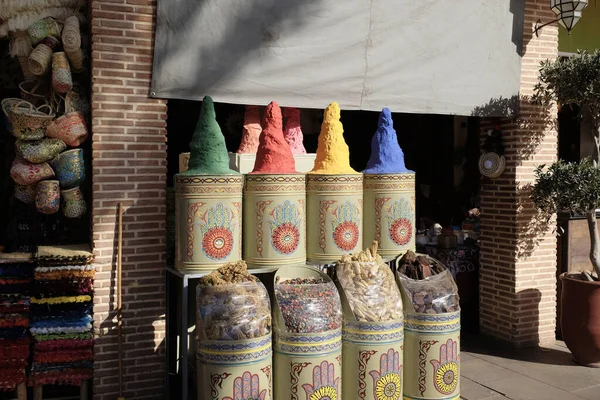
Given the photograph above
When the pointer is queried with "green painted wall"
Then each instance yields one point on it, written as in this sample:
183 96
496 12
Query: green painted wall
584 35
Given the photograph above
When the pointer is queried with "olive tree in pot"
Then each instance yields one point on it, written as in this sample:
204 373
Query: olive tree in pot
575 187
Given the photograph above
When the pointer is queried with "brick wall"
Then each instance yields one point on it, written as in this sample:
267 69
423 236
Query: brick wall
129 166
518 254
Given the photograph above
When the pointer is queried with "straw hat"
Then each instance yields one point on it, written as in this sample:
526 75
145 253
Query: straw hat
491 165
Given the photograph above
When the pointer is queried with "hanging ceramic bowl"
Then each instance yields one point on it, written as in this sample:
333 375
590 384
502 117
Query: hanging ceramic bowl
47 198
70 168
39 151
26 193
28 122
70 128
491 165
74 205
26 173
62 80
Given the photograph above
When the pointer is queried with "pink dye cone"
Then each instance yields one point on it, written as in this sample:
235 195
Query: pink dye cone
292 132
252 130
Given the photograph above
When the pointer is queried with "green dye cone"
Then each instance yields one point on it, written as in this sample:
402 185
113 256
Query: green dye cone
208 152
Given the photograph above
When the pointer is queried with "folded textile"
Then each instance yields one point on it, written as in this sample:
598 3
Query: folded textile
52 322
14 362
18 349
14 320
64 309
61 268
62 287
13 333
62 356
70 376
61 299
63 344
63 274
61 329
67 336
13 303
35 367
11 377
16 270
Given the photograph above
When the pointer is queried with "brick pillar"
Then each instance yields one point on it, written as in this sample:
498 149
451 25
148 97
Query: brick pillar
518 253
129 166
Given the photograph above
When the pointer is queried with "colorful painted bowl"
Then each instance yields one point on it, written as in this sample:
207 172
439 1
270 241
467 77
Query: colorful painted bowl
47 199
70 168
39 151
26 193
26 173
70 128
74 205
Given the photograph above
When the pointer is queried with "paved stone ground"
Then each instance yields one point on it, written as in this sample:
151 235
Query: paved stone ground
494 371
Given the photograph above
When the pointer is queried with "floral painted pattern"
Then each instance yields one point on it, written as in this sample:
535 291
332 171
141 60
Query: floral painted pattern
345 226
285 228
247 387
387 382
217 235
445 370
400 227
325 384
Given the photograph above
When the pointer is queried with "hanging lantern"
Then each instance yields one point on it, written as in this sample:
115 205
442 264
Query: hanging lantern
568 11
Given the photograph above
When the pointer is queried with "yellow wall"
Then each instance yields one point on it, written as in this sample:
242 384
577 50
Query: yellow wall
584 35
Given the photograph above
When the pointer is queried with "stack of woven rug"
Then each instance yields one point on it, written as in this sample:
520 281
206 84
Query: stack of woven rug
61 316
15 281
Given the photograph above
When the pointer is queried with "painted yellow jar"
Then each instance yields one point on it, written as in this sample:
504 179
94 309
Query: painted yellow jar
208 221
389 213
307 365
232 370
432 356
373 358
334 209
274 220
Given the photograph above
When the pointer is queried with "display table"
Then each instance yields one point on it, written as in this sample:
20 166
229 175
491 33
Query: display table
183 307
463 263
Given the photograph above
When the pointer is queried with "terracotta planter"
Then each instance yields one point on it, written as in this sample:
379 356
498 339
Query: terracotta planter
74 205
47 199
334 212
274 220
208 215
580 319
70 168
70 128
39 151
390 213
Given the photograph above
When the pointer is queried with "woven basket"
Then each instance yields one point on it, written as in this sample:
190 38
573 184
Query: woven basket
7 105
24 63
34 92
71 35
77 100
62 80
40 58
30 123
76 59
43 28
491 165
